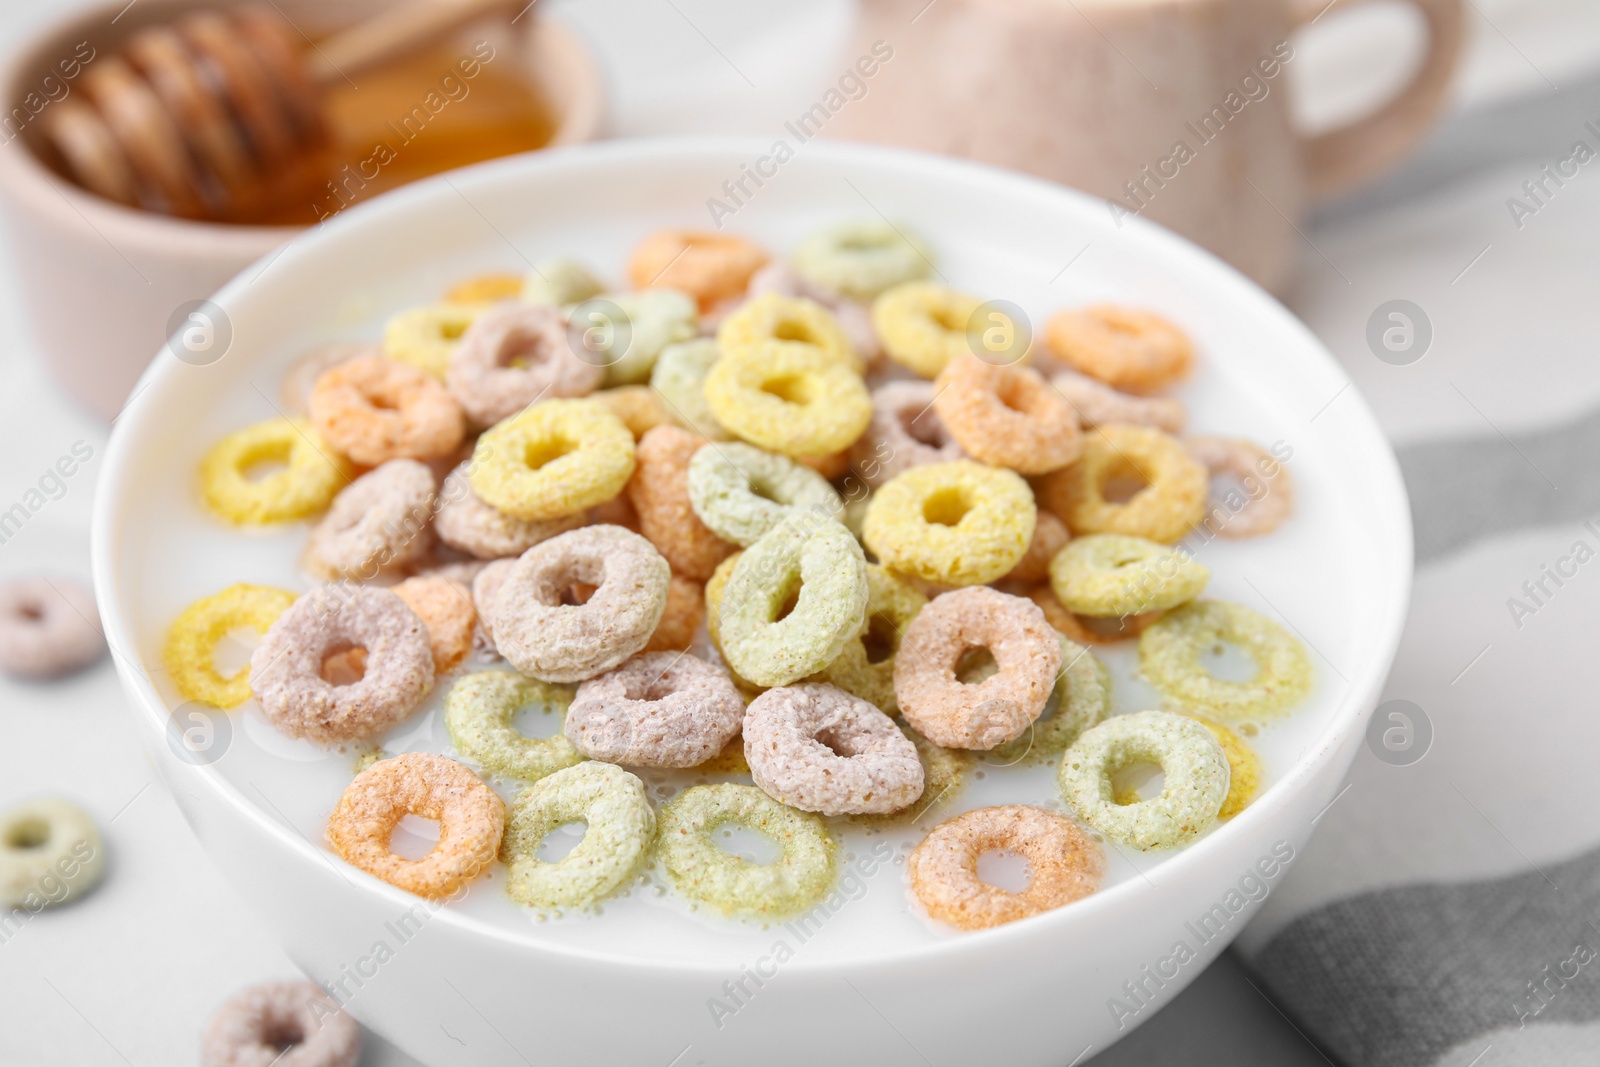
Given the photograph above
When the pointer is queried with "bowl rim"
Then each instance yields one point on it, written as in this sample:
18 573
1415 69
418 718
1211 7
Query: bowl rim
1389 503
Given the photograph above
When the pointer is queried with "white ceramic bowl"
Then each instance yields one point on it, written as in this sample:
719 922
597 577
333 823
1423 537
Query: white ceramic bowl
647 982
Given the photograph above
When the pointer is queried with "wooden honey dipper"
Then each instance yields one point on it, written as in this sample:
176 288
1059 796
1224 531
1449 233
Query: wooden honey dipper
209 117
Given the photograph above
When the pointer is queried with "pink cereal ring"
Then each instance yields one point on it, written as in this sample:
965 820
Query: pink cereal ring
1264 498
1097 404
467 523
659 709
377 523
905 432
374 409
1049 537
48 628
485 587
513 355
290 1024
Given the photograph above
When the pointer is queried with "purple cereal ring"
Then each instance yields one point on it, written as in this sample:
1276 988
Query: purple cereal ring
1097 404
465 522
377 523
513 355
286 1024
286 668
817 748
485 587
48 627
659 709
905 432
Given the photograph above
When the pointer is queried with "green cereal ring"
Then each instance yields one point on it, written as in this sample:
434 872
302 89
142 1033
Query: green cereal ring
620 830
793 320
866 666
313 472
812 562
860 259
559 281
923 325
789 398
1081 698
1170 654
478 712
1111 575
1192 763
705 873
425 336
741 492
50 853
679 378
655 318
552 460
194 634
958 523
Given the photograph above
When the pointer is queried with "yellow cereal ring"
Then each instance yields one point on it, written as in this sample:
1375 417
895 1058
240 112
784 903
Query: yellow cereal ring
313 472
553 459
714 588
924 325
1172 501
866 666
790 320
953 523
425 336
194 634
794 399
1244 766
485 288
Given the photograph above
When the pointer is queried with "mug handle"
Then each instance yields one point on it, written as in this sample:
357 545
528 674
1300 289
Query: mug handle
1348 155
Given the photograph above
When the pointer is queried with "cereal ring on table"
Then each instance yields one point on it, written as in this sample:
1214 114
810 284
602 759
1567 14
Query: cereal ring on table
708 266
286 668
660 493
1193 767
1081 698
1064 865
471 819
193 637
817 748
956 523
1171 501
485 288
291 1024
659 709
925 325
619 828
465 522
513 356
560 281
312 474
860 259
50 853
426 336
953 713
788 398
48 628
374 409
552 460
556 642
705 873
1007 416
1049 537
1109 575
378 522
638 406
905 431
1097 404
479 711
445 608
651 320
866 666
1087 629
815 564
679 380
680 620
741 493
295 393
1129 349
770 320
1171 659
1268 493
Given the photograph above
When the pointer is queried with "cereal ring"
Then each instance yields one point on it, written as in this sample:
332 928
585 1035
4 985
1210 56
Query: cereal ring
771 320
445 608
374 409
660 493
680 620
1081 698
195 633
905 432
860 259
1007 416
855 319
956 523
1129 349
705 873
292 1024
295 394
1049 537
1193 766
313 473
554 642
815 563
1088 629
619 830
866 666
465 522
485 288
679 380
1171 659
789 398
471 819
1109 575
558 282
485 587
925 325
817 748
513 356
286 668
50 853
1244 768
552 460
1064 865
716 585
479 711
953 713
639 408
426 336
1268 496
659 709
741 493
1171 501
1097 404
378 522
708 266
48 628
651 320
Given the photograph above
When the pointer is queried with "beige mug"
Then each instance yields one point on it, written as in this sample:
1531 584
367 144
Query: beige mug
1175 110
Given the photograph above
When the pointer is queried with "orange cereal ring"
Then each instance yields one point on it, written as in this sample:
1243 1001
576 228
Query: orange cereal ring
1127 348
1171 501
686 608
295 393
445 608
471 819
638 406
1049 537
830 466
708 266
374 409
485 288
659 492
1084 629
1006 416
